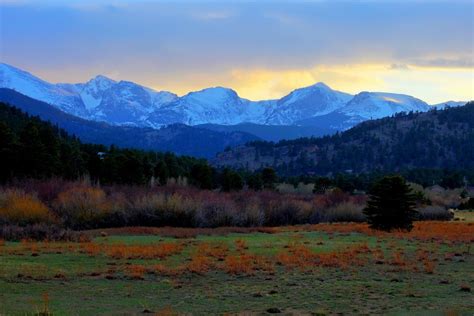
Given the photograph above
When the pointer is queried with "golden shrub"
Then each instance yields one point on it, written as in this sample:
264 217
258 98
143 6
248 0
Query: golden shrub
80 205
18 207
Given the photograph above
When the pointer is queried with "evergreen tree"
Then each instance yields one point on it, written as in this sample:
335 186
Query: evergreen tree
255 182
231 181
201 176
161 172
269 178
391 205
8 163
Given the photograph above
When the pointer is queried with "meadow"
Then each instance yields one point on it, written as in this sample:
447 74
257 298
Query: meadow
305 269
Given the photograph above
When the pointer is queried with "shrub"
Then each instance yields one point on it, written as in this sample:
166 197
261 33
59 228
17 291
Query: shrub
251 214
286 211
391 205
445 198
20 208
345 212
82 207
39 232
434 213
216 212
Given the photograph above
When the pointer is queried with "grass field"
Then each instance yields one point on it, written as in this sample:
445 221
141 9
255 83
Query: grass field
319 269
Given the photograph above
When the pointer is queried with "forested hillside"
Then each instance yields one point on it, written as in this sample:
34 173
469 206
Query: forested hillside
435 139
30 147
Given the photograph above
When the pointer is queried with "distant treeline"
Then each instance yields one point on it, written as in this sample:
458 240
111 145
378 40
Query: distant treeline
32 148
437 139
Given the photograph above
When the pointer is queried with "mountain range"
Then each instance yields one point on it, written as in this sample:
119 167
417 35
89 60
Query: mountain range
126 103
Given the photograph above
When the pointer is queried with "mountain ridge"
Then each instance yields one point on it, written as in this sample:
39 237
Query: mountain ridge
130 104
434 139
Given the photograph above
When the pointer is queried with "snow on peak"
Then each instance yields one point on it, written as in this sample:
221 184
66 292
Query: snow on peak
125 102
36 88
321 85
372 105
212 95
93 91
101 81
307 102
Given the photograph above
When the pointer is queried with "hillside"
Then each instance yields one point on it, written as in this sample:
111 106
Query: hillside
434 139
178 138
32 148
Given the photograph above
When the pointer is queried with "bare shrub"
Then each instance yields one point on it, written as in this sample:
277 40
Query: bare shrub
444 198
216 211
434 213
344 212
39 232
82 207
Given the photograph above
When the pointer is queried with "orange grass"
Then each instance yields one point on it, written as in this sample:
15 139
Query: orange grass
425 231
136 271
240 264
161 251
215 250
200 264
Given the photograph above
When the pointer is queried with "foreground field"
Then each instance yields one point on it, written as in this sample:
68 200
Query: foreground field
325 269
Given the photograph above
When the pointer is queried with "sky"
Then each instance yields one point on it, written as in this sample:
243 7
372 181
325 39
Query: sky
262 49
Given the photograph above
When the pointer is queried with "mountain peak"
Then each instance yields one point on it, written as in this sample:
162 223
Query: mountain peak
101 80
219 89
214 93
321 85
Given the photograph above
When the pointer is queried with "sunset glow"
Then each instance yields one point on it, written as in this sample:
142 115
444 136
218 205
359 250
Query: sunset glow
262 50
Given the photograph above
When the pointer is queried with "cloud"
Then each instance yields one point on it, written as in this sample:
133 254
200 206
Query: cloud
399 67
463 62
262 48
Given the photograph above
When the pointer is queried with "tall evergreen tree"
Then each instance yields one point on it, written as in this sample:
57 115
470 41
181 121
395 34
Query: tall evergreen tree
231 181
391 205
269 177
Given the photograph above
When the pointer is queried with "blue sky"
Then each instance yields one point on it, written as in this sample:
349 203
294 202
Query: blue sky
261 49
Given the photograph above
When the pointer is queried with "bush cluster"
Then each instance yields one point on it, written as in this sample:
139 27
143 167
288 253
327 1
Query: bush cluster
80 205
57 205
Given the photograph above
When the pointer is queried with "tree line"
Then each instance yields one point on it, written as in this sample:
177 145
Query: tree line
32 148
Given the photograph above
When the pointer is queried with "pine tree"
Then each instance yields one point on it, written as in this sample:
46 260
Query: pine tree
255 182
269 178
231 181
391 205
201 176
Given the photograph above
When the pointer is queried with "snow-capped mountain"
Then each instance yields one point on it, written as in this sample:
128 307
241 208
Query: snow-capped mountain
25 83
127 103
99 99
216 105
92 91
373 105
303 103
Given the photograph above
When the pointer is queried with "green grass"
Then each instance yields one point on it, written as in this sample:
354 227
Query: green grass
368 289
